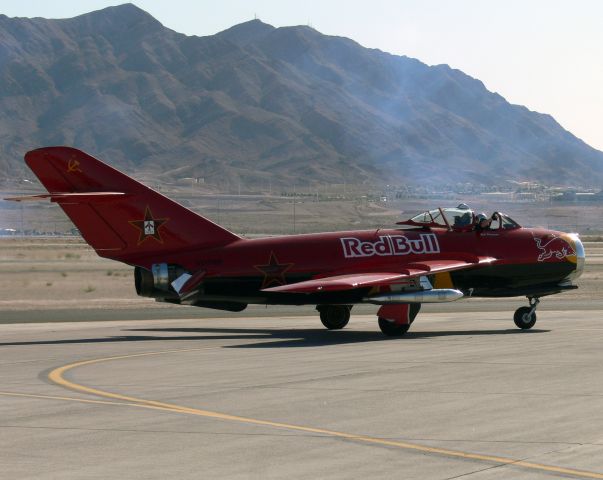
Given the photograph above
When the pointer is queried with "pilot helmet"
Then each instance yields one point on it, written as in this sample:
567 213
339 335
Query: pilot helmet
481 216
463 206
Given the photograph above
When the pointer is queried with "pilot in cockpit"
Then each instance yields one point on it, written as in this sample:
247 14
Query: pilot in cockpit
462 220
482 222
466 218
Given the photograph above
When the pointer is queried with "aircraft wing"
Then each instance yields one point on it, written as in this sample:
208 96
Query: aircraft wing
351 281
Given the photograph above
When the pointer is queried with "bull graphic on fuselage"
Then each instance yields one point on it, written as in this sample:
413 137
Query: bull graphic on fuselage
556 246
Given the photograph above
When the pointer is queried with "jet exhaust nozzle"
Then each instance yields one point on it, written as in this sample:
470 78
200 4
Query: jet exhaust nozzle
156 283
439 295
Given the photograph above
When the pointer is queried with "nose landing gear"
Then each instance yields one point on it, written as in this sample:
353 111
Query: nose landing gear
525 317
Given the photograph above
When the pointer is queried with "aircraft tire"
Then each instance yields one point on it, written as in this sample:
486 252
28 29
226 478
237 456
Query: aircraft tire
523 319
392 329
335 317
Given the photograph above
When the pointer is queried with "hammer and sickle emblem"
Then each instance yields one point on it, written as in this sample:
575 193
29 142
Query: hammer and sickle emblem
73 166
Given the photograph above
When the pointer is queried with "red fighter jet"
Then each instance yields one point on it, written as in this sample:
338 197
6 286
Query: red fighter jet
180 257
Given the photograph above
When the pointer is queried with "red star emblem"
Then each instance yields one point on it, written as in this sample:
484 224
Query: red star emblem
149 226
274 272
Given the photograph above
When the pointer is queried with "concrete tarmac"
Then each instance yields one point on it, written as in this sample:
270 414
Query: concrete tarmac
463 394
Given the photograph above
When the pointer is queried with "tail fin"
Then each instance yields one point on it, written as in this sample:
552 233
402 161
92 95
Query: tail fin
118 216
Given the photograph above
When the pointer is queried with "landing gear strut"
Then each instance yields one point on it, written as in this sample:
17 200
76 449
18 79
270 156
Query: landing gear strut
334 317
525 317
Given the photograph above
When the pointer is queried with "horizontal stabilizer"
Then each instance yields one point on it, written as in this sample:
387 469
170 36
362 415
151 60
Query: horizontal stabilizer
186 284
84 197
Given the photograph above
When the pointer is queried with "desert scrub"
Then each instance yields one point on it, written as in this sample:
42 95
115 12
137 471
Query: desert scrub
89 289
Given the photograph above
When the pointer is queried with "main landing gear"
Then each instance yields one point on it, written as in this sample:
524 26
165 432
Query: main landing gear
391 328
525 317
396 319
334 317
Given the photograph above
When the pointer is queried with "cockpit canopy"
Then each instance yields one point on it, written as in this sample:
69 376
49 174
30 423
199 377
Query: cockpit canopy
458 218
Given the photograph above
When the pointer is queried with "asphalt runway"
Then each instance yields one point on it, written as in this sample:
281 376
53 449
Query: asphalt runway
463 395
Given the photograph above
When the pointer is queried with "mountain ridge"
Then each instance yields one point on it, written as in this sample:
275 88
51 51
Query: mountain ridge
254 102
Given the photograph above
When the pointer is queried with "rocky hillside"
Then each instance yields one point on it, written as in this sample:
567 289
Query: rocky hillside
257 104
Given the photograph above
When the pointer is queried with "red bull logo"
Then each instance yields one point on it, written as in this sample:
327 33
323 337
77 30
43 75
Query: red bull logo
390 245
555 247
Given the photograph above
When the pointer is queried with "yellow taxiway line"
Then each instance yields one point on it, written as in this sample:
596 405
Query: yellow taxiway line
57 376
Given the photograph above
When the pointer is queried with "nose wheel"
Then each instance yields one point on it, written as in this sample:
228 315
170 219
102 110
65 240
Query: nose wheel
525 317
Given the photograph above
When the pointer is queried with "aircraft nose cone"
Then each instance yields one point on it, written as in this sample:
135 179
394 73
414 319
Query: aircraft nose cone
580 256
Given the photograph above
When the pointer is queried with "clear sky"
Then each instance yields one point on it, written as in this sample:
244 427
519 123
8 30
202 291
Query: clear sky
545 54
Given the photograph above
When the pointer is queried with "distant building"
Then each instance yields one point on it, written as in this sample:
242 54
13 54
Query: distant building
571 196
525 196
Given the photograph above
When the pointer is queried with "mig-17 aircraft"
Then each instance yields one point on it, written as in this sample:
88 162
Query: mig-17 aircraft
180 257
